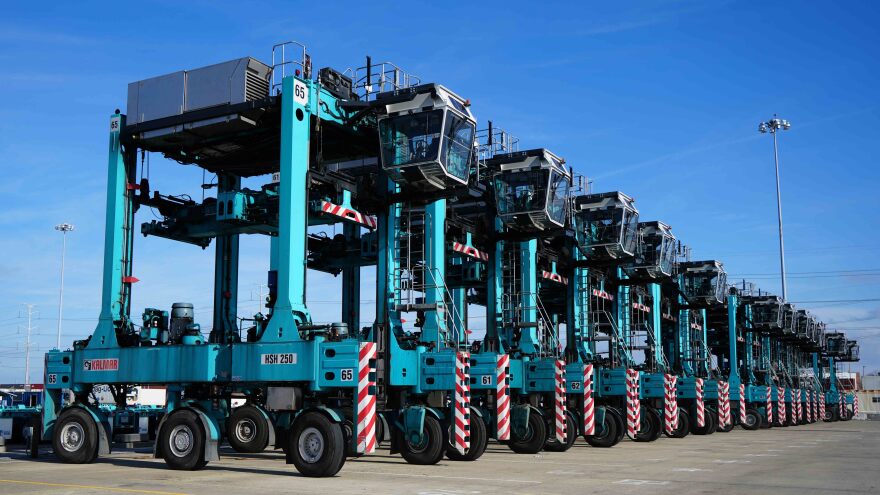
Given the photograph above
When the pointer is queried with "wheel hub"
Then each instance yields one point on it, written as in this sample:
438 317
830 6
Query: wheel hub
181 441
72 437
245 430
311 445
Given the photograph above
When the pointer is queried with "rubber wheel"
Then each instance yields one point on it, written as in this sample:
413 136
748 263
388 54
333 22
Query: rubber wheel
534 439
247 430
621 422
606 433
764 423
753 420
651 427
684 426
708 423
380 430
316 445
75 437
182 441
727 428
478 442
712 416
432 447
846 416
553 445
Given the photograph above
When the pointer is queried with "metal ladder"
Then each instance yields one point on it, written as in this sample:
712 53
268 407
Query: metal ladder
514 309
603 322
413 277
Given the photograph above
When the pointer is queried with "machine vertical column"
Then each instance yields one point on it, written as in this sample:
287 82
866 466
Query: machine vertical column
528 270
351 283
435 329
116 240
733 378
656 297
704 344
495 294
225 274
623 306
765 358
290 308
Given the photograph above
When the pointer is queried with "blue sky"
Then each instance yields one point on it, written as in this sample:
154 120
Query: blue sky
658 99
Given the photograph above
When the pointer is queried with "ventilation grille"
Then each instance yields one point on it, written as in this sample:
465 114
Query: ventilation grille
256 87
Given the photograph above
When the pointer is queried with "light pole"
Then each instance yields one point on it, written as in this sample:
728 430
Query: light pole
772 126
64 228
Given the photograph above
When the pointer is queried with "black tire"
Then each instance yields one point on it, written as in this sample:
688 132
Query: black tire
684 425
534 439
181 441
727 428
753 420
712 417
432 447
620 417
554 445
479 441
658 418
316 445
651 427
75 437
247 430
606 433
707 428
380 430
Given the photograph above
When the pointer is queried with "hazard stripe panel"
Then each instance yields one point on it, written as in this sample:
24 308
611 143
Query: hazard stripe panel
348 214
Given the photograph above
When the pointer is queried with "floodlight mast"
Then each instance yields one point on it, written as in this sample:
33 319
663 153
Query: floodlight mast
64 228
772 126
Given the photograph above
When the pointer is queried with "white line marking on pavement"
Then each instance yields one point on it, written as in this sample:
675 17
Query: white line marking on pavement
405 475
591 464
640 482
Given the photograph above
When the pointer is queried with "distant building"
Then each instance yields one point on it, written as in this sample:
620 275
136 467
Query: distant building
869 397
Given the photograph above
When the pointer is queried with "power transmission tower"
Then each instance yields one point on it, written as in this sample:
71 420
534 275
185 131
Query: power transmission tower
29 308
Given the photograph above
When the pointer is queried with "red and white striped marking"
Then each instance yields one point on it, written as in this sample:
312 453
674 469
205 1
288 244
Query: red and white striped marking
814 405
462 402
366 403
780 405
641 307
555 277
470 251
633 405
822 406
842 403
796 404
601 294
670 403
502 398
742 403
723 403
809 406
589 402
769 407
855 405
559 401
348 214
701 410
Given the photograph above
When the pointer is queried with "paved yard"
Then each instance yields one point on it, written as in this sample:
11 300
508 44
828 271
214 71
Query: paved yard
820 458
